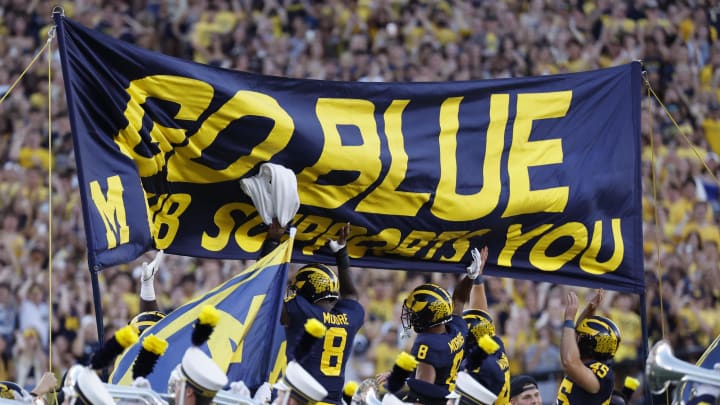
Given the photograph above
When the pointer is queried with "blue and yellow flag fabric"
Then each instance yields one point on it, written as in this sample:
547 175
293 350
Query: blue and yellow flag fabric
248 341
545 171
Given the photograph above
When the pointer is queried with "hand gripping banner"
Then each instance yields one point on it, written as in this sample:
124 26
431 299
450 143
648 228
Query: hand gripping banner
543 170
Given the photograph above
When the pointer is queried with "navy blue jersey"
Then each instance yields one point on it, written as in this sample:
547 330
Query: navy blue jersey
570 393
492 371
327 357
443 351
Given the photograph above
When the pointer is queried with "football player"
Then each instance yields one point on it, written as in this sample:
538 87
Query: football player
485 358
438 346
316 292
585 351
150 311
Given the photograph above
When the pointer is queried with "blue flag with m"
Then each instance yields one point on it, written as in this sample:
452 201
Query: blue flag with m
248 341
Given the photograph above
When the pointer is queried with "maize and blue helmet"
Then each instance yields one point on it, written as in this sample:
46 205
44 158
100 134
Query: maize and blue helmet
598 338
479 323
427 305
316 282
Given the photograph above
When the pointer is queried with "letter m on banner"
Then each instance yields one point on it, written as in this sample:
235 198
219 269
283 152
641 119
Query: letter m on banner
111 208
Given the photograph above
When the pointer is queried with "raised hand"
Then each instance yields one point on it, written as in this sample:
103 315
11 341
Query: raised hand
275 230
149 269
478 264
597 299
571 306
336 245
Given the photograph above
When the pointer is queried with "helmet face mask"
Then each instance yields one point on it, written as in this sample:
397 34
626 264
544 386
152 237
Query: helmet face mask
316 282
427 306
407 317
598 338
479 323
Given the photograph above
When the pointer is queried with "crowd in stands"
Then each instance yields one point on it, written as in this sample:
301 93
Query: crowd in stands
371 40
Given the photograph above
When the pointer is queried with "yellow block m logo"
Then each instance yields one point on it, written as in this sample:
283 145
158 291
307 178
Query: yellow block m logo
112 210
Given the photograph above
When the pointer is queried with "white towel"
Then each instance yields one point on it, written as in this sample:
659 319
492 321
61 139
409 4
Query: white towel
273 192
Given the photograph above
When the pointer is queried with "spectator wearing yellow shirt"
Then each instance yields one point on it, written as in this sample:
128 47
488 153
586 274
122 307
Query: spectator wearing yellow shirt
704 314
122 289
577 60
690 329
212 24
381 300
710 305
701 221
680 205
655 18
31 153
690 250
711 127
624 312
710 73
384 353
617 22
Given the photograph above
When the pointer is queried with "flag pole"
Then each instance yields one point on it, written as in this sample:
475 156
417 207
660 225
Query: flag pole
98 306
645 337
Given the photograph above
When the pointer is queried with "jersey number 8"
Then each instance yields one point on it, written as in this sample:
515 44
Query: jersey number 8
331 351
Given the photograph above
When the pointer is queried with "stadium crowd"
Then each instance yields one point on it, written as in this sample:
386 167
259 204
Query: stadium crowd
372 40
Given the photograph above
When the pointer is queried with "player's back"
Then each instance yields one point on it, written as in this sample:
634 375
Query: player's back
327 357
443 351
492 371
570 393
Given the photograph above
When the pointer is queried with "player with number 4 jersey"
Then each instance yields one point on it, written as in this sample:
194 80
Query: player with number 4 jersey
316 292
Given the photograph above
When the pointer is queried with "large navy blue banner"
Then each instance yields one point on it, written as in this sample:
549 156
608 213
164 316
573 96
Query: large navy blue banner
543 170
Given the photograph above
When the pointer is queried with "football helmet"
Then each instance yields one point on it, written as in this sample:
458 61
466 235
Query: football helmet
316 282
427 305
479 323
145 320
598 338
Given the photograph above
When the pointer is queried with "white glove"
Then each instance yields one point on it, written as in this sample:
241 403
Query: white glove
335 246
150 269
474 269
147 283
238 388
263 394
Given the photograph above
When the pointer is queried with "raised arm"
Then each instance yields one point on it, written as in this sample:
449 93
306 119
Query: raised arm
148 301
592 305
461 295
272 239
572 364
342 260
478 299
